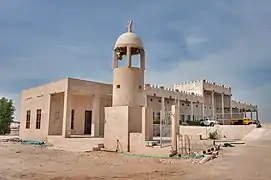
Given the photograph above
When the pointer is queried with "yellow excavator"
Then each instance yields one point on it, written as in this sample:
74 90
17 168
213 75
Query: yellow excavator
244 121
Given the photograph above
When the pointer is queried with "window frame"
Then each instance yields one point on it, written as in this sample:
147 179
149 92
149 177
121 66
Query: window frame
38 119
72 118
28 119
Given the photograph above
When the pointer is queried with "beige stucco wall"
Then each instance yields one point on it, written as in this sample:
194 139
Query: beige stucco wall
120 121
38 98
116 128
160 91
56 114
230 131
213 86
78 86
135 119
80 104
193 87
147 123
131 86
105 102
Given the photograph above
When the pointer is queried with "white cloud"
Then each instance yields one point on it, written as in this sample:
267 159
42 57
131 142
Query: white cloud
234 67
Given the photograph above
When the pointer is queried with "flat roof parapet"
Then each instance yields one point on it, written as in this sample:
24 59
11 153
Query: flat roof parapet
214 83
204 81
161 87
243 103
189 82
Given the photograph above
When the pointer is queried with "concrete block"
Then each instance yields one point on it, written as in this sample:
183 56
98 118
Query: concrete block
137 142
116 135
101 145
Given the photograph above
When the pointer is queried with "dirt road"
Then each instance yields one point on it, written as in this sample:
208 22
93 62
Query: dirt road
251 161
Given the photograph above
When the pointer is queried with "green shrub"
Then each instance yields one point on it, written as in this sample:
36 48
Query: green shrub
214 135
193 123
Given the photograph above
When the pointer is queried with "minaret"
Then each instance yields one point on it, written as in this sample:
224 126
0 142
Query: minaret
128 121
128 80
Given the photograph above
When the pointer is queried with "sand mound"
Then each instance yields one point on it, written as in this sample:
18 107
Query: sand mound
258 134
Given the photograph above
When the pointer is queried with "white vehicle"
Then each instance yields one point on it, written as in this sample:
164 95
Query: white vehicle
208 122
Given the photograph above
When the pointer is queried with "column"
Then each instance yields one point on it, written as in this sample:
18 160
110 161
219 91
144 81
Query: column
146 100
203 106
251 115
95 127
213 104
222 105
245 113
191 111
230 107
129 56
178 102
175 131
257 115
115 61
163 110
66 124
142 59
162 117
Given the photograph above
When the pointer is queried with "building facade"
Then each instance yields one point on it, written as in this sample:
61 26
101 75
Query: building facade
70 107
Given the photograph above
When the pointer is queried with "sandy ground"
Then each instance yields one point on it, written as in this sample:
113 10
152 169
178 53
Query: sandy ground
251 161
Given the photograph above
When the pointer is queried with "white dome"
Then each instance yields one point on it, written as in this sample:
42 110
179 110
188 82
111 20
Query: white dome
130 39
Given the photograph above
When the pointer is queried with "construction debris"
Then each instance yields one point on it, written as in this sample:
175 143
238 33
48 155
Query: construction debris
209 157
228 145
11 140
34 142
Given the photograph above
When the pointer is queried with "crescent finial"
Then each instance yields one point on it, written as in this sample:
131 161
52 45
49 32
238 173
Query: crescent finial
130 24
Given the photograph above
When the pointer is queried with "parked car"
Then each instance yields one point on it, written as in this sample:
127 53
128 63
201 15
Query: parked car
208 122
244 121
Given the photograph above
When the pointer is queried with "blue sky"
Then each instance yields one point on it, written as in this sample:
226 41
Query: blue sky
224 41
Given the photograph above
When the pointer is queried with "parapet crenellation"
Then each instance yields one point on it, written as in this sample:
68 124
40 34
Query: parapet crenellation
203 81
161 90
216 84
189 82
245 105
161 87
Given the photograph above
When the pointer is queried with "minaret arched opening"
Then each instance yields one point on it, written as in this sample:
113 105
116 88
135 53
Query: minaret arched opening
129 56
129 50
